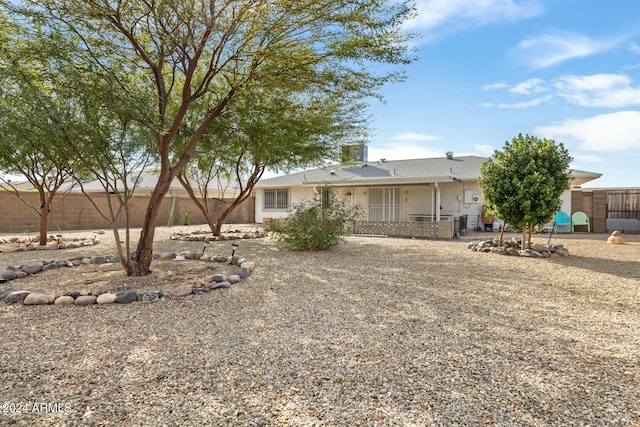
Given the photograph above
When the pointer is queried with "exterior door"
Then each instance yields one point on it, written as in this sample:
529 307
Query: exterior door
384 204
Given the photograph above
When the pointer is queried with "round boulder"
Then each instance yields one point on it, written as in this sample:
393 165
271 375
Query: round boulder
38 299
86 300
32 268
8 274
106 298
64 300
126 297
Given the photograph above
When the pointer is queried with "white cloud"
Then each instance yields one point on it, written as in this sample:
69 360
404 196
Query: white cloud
634 48
494 86
413 137
552 48
438 17
529 87
599 90
606 132
527 104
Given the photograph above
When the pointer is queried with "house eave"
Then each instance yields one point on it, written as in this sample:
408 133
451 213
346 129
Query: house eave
383 181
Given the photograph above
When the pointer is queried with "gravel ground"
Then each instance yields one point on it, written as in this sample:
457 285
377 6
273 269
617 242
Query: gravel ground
376 332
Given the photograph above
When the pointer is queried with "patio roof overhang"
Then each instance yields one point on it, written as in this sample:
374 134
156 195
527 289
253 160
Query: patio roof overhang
382 181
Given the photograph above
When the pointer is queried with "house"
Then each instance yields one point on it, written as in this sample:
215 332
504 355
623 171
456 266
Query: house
433 197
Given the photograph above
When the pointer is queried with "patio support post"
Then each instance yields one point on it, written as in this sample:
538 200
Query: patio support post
437 206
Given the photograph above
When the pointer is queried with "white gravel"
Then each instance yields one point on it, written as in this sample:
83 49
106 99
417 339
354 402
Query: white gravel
376 332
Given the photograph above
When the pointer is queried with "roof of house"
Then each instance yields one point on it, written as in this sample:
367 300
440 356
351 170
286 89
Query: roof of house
147 181
411 171
395 172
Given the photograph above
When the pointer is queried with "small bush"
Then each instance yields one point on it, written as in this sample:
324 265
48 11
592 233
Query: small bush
315 225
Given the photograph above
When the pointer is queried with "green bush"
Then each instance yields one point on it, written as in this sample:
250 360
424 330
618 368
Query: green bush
315 225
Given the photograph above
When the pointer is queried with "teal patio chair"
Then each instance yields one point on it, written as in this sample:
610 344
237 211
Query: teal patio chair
580 218
562 219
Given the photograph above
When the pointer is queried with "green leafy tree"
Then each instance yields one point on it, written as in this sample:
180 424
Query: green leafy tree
192 58
522 184
29 105
267 128
56 134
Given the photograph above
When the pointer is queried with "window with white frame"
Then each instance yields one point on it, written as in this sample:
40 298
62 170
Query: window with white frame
384 204
276 198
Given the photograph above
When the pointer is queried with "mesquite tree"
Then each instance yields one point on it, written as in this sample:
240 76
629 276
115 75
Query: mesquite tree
192 57
522 184
267 128
29 107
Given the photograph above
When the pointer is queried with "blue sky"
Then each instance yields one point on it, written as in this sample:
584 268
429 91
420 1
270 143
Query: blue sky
567 70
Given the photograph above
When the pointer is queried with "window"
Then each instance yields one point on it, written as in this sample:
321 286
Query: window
384 204
276 199
326 196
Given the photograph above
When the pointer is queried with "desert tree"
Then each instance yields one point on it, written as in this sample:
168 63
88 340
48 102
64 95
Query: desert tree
523 183
30 109
267 128
195 56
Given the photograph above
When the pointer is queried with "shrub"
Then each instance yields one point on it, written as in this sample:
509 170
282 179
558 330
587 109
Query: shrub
315 225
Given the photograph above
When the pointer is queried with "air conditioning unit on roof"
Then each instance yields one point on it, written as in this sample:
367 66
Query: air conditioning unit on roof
354 153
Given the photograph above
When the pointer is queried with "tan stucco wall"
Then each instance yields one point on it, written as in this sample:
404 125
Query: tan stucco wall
74 212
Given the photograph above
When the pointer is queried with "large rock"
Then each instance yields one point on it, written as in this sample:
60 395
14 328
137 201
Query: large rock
106 298
234 278
97 259
513 251
8 274
86 300
16 296
32 268
51 266
126 297
38 299
242 272
218 277
64 300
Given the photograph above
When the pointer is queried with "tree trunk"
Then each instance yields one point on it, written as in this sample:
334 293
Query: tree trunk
524 237
501 238
226 212
44 218
140 266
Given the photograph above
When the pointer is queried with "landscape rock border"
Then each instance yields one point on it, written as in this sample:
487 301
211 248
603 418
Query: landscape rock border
205 236
9 295
24 245
512 247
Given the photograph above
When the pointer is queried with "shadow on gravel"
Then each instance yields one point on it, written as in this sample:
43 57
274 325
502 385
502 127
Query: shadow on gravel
623 269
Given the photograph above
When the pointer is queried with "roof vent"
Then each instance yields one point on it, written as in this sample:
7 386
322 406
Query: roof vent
383 160
449 155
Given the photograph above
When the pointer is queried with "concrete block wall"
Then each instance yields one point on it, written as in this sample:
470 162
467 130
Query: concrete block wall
74 211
